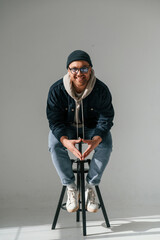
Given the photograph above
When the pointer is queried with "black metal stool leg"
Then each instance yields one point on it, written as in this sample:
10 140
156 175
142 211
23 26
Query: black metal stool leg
102 206
78 188
83 199
82 186
59 207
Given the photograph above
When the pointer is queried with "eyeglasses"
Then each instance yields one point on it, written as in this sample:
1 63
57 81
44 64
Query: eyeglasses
76 70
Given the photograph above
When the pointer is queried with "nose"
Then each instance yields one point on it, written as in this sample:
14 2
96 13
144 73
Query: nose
79 72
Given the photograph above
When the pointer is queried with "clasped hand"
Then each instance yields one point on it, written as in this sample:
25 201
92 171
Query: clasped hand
70 145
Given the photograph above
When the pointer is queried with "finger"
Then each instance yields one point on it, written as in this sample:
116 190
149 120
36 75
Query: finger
87 152
85 155
77 153
78 140
77 156
85 141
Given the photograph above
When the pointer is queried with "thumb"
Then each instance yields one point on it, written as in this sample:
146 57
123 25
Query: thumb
78 141
85 141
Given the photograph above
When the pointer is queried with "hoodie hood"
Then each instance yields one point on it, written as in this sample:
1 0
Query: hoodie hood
71 91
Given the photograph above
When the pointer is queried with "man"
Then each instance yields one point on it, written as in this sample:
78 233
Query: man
79 108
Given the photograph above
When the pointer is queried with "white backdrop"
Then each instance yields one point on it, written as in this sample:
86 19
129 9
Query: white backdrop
123 40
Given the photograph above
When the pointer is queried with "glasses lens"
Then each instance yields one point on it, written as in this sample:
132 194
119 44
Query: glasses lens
84 70
74 70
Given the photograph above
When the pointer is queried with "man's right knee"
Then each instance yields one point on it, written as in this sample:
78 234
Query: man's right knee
53 143
53 147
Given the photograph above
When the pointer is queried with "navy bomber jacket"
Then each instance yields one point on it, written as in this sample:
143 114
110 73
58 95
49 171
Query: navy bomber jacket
97 108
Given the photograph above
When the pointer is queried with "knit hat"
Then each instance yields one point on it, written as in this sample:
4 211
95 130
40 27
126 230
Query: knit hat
78 55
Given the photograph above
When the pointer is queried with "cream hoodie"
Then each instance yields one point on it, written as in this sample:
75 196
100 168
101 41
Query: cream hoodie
79 97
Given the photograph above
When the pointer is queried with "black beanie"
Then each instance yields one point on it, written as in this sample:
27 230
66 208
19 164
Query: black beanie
78 55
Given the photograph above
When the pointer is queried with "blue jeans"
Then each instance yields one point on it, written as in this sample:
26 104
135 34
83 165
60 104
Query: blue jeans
62 162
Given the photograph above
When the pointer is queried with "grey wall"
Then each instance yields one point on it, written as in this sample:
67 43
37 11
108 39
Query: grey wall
122 38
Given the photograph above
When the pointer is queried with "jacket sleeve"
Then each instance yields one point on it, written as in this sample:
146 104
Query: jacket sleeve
105 114
55 114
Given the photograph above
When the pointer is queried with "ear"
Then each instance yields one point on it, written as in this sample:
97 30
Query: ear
90 69
69 70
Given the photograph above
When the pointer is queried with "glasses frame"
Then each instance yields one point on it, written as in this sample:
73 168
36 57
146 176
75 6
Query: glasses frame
79 69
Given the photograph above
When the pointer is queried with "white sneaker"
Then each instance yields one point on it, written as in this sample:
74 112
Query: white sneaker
72 204
91 205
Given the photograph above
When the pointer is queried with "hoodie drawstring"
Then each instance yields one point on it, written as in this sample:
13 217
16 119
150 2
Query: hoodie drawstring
82 117
77 117
77 106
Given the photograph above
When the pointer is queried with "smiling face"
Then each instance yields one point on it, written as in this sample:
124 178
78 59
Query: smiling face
80 79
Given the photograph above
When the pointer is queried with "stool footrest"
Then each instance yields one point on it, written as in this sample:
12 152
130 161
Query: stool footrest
77 171
63 206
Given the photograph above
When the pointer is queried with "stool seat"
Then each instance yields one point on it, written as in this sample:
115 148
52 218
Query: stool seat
76 170
80 171
77 160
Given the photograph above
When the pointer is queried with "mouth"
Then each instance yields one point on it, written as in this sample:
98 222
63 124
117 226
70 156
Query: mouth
80 78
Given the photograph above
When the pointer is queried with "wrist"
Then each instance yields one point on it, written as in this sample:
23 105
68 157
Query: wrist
63 138
97 138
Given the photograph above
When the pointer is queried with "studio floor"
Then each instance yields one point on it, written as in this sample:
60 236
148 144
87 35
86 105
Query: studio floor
27 224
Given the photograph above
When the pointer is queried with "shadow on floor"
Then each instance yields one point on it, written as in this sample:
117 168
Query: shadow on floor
129 227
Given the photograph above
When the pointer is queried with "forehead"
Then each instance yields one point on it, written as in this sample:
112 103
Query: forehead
79 64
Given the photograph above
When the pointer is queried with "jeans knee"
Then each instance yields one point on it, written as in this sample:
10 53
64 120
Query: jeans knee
107 143
53 143
54 146
109 148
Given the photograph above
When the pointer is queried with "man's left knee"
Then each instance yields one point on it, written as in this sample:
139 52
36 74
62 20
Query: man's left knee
107 142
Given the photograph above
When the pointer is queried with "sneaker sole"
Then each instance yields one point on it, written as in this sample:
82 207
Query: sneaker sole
73 210
92 210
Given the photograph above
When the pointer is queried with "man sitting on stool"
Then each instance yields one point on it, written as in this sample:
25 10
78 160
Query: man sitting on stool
80 105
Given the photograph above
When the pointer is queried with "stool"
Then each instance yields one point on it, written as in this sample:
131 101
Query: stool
80 170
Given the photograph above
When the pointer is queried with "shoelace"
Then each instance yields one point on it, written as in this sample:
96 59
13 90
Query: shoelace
91 196
71 195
